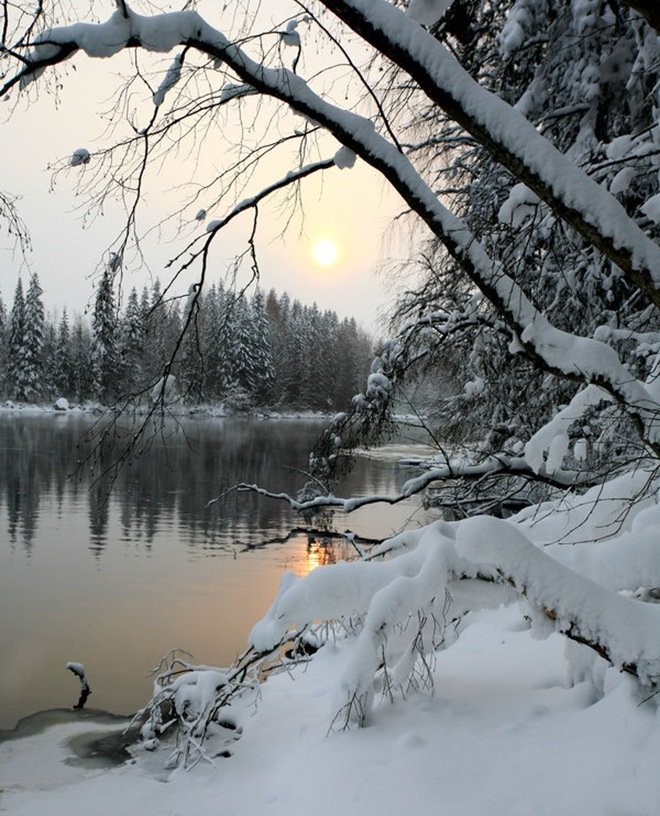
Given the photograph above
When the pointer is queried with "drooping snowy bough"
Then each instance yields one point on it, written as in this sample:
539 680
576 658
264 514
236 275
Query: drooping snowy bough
411 605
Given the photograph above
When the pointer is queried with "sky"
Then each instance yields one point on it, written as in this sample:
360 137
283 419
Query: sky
352 208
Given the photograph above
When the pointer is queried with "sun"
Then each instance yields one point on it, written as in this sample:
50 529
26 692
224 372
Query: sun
325 252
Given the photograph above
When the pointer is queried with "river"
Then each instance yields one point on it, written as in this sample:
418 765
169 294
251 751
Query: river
114 569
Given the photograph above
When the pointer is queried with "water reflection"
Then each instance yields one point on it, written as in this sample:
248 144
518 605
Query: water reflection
170 485
114 573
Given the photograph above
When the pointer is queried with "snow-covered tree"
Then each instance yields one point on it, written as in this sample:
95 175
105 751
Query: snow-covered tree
262 335
32 367
15 343
4 342
557 115
103 354
588 81
81 344
61 367
131 344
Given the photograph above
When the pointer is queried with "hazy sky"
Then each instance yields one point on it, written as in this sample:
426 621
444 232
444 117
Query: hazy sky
351 207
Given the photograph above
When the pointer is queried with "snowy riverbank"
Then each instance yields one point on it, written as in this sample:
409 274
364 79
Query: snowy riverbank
516 722
206 410
503 735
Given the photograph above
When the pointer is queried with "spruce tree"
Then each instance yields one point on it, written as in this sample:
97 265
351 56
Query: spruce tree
104 341
62 366
262 336
131 344
4 341
32 368
81 369
15 345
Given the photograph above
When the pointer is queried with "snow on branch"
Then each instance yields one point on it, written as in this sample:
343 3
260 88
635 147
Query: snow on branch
405 605
510 137
496 465
552 439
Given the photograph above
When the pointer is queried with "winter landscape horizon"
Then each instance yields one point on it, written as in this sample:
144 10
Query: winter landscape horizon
438 587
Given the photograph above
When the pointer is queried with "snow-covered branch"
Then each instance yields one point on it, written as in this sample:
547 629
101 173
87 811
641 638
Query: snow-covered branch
416 585
510 137
499 465
214 226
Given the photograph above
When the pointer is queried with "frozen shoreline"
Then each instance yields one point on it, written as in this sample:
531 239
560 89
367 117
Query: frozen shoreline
176 411
502 714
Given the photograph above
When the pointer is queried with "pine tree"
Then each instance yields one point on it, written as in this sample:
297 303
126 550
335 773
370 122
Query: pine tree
15 345
32 368
262 337
81 369
62 365
4 342
48 357
244 364
131 344
104 361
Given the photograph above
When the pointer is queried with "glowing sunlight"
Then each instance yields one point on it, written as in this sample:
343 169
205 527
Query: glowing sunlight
325 252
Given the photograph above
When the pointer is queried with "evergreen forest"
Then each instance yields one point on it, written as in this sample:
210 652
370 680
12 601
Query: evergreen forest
245 351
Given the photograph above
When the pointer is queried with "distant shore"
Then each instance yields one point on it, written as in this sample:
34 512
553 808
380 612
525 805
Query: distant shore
175 409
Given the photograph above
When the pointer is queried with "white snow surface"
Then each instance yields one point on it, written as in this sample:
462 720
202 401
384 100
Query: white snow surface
504 735
651 208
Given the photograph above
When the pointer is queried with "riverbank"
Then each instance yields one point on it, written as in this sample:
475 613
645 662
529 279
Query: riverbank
503 734
178 410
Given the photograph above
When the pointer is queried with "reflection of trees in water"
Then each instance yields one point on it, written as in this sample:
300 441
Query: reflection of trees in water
169 485
24 471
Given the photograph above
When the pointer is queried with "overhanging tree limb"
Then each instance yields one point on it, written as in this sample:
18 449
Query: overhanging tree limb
510 138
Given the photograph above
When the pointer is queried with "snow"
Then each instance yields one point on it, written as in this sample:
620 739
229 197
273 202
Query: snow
503 716
428 12
79 156
61 404
233 91
290 36
79 670
344 158
651 208
622 180
552 438
166 388
542 728
170 79
473 388
503 734
520 204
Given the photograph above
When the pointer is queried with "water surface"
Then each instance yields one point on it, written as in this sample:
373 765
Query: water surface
113 570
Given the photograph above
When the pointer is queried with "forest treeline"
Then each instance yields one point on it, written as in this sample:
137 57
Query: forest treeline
244 351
